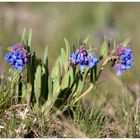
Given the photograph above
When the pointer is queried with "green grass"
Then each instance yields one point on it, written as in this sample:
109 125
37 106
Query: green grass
105 117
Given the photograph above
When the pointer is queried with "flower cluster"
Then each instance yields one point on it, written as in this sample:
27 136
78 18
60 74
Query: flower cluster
82 58
124 60
17 58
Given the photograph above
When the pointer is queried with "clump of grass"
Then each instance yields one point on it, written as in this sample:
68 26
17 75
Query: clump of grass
89 120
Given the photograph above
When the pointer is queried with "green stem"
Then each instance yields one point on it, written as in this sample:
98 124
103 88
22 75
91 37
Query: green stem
102 66
29 86
95 73
85 93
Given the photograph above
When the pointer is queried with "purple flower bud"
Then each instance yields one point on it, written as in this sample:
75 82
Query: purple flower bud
25 60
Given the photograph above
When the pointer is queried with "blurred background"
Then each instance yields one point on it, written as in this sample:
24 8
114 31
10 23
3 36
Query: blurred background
51 22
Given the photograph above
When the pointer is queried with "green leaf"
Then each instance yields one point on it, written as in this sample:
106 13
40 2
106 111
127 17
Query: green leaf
29 38
24 89
26 39
69 79
37 83
67 45
45 61
80 86
43 70
64 59
126 42
23 37
24 92
46 74
55 69
71 74
104 49
50 87
44 85
60 65
55 75
81 82
66 83
86 40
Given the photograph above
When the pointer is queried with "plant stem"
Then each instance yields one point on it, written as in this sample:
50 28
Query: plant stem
102 66
95 72
84 94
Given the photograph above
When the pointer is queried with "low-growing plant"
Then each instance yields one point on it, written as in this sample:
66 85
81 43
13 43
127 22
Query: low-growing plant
51 92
